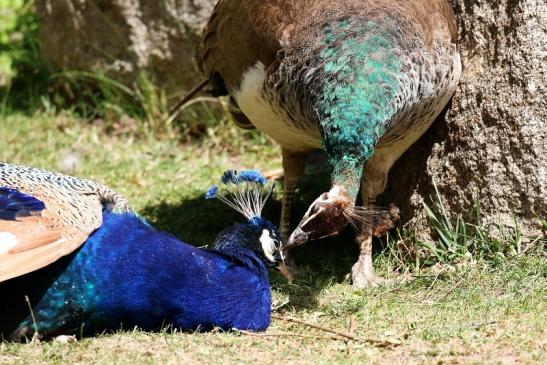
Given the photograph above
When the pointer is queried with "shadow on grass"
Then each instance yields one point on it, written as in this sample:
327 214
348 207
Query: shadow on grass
198 221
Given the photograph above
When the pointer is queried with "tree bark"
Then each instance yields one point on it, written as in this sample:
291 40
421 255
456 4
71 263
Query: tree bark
492 143
124 38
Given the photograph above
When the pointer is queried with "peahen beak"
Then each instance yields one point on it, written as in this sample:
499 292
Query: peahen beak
298 237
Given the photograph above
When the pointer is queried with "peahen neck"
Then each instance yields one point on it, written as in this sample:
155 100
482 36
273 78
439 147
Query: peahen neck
357 94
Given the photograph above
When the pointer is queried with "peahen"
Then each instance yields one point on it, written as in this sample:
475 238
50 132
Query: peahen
74 258
360 79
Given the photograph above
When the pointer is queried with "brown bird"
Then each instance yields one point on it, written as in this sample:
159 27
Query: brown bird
360 79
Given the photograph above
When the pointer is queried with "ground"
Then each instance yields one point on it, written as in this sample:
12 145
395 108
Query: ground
469 311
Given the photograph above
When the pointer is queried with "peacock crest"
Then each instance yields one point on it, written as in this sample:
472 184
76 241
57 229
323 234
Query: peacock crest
246 191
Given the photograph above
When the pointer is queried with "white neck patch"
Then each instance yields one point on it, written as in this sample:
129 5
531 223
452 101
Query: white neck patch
268 245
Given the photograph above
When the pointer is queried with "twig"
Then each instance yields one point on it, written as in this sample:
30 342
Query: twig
351 330
283 334
281 305
478 326
530 245
35 335
449 291
372 341
352 324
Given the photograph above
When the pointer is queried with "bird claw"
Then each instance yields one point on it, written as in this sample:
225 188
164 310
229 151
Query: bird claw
65 339
363 276
369 281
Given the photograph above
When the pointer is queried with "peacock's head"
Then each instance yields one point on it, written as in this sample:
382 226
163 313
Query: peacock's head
247 193
265 241
326 216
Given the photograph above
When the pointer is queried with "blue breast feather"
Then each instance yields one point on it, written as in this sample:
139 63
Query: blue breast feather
129 274
15 204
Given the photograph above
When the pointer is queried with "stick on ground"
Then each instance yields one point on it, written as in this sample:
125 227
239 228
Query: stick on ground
372 341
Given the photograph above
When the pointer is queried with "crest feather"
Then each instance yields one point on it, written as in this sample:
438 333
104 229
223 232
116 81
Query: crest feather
245 192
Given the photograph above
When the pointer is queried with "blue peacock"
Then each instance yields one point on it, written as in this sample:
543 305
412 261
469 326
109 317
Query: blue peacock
360 79
74 258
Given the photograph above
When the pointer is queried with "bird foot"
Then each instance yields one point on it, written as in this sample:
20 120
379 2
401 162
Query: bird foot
386 221
363 276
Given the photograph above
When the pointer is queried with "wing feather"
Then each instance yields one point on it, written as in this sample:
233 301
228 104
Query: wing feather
240 33
30 243
14 265
44 216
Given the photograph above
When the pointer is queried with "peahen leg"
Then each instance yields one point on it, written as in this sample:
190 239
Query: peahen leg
362 273
377 221
293 168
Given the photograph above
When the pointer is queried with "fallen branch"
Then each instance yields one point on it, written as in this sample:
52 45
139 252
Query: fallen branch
372 341
351 330
284 334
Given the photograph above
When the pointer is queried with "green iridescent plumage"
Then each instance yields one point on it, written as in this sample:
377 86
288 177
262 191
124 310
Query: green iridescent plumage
355 102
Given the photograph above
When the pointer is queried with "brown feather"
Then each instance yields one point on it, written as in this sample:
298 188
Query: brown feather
40 242
241 33
14 265
73 210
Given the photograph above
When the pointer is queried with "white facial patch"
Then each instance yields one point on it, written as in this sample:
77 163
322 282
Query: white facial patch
7 241
268 245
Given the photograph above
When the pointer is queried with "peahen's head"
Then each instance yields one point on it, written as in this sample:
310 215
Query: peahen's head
247 193
326 216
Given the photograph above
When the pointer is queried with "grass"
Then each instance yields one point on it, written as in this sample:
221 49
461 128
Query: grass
489 308
8 14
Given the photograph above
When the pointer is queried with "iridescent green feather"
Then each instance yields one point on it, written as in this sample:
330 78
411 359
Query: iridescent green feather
361 66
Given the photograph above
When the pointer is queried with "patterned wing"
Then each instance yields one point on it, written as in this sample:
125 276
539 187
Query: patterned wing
237 35
44 216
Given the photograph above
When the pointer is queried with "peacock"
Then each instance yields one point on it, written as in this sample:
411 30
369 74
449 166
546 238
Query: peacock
360 79
75 259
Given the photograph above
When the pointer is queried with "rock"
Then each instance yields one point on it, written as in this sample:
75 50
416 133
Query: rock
492 143
124 38
65 339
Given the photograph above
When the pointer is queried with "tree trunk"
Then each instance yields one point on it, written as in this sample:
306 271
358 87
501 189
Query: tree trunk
492 143
124 38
